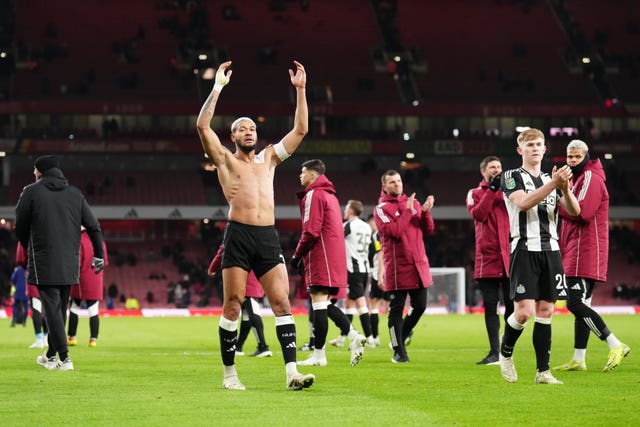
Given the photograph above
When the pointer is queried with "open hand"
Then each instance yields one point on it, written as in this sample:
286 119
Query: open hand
299 79
428 204
221 78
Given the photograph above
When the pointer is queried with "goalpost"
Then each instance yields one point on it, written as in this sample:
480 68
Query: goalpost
447 294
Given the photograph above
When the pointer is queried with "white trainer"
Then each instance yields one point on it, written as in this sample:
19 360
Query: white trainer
508 369
313 361
545 377
233 383
45 361
60 365
357 349
337 342
300 381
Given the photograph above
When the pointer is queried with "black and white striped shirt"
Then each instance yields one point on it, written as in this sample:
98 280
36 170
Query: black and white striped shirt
357 236
536 229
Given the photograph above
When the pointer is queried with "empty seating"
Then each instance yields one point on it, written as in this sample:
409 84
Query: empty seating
129 188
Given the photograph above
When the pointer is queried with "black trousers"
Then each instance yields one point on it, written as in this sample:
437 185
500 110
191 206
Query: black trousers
54 304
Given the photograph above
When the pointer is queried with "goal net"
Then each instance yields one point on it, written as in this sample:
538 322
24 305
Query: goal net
447 294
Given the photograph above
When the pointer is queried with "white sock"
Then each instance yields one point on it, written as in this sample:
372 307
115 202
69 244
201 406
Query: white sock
353 334
319 354
511 320
612 341
291 369
230 371
579 354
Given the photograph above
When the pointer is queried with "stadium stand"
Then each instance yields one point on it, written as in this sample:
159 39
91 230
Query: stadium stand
60 56
504 53
129 188
506 65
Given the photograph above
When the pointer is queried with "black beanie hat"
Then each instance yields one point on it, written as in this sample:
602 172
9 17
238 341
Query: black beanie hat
44 163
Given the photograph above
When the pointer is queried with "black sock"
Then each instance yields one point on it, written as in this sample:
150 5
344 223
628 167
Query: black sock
365 320
375 319
94 326
339 318
245 328
258 328
286 332
73 324
542 344
228 342
509 340
320 327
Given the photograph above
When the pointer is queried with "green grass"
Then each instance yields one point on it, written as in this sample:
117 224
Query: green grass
167 371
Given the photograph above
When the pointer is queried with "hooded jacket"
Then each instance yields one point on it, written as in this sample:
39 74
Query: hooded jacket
91 286
321 243
491 221
49 214
584 239
401 231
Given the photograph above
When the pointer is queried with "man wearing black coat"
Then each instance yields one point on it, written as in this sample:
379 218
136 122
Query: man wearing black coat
48 219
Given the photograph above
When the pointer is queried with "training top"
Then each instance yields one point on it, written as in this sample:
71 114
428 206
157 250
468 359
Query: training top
402 232
491 222
584 239
534 230
321 243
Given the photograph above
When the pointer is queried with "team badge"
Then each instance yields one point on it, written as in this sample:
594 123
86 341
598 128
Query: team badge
510 183
520 289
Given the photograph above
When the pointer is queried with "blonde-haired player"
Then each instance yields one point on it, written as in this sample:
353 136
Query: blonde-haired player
532 198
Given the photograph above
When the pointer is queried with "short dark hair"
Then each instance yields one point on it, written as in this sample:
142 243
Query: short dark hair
486 160
390 172
315 165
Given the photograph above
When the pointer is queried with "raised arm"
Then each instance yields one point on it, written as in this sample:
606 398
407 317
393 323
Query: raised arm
292 140
210 141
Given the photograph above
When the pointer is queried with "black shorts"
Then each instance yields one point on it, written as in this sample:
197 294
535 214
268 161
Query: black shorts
327 290
536 275
251 247
357 282
376 292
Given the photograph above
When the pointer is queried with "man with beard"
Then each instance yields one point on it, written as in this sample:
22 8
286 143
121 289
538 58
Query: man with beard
251 241
491 267
402 223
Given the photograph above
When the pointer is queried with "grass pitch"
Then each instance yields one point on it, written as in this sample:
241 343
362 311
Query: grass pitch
167 371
